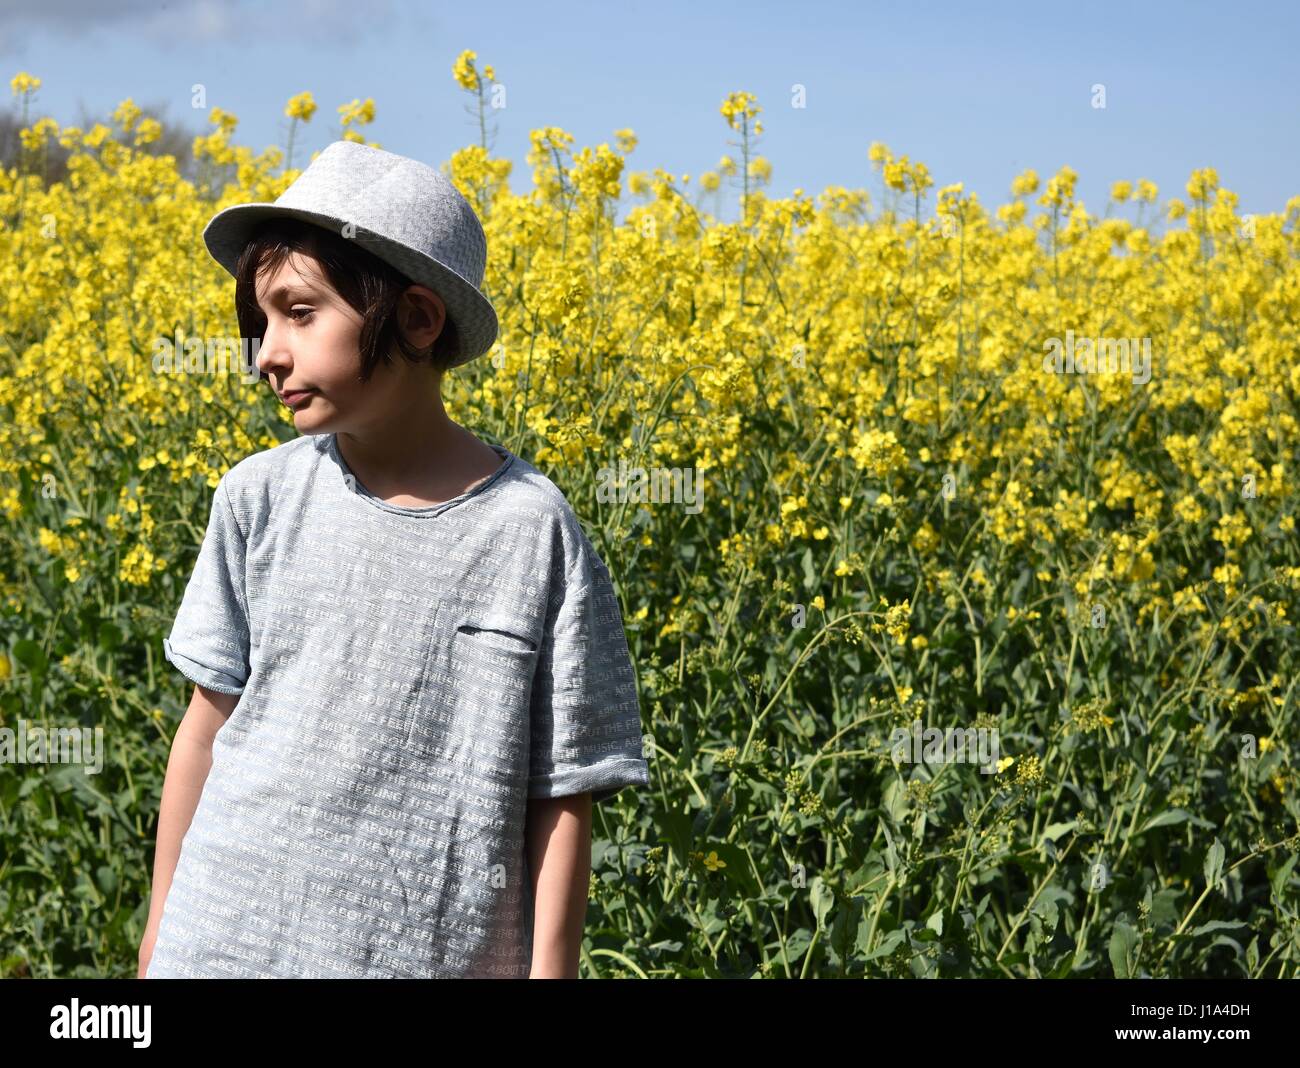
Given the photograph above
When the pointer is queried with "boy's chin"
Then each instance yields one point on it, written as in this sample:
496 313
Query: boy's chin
311 423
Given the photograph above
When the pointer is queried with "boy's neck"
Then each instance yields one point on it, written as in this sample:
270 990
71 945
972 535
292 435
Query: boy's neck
414 463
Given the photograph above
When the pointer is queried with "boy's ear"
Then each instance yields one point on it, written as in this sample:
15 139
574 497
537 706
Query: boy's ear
422 315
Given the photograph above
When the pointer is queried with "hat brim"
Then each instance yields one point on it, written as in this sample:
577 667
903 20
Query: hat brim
229 231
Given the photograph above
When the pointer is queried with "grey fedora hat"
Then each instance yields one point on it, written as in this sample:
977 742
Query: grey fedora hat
404 212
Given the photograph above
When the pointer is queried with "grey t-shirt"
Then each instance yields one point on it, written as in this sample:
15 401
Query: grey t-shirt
408 678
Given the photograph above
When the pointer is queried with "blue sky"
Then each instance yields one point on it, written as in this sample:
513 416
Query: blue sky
979 92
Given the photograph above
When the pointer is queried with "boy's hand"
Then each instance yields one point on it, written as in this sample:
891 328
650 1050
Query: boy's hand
146 948
558 836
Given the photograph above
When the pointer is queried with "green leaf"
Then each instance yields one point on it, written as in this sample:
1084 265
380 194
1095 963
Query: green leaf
31 655
887 944
891 852
1055 830
843 928
1163 906
1124 941
1214 864
796 944
1279 878
809 573
107 878
1063 967
896 801
821 898
935 922
1216 925
1045 908
1165 818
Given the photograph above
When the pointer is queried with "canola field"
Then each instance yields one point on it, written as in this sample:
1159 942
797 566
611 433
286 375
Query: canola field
916 469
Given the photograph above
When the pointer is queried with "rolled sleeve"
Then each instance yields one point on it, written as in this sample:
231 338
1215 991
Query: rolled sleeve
209 640
585 715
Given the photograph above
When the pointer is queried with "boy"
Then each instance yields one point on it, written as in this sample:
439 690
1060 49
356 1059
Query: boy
412 680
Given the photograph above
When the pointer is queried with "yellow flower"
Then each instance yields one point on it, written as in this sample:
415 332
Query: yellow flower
357 112
879 452
1060 188
148 131
1030 771
24 83
1202 183
896 620
302 106
126 114
1088 716
1025 184
739 108
463 70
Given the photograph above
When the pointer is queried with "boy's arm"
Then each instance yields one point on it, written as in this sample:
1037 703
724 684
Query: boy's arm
187 771
558 841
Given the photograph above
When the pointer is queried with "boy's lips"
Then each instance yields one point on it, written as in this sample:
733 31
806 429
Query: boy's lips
293 396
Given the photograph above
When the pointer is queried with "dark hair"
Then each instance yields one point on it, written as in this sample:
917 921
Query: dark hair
366 282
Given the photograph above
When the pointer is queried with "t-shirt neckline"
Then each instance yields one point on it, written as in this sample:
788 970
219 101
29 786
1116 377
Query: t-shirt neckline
427 511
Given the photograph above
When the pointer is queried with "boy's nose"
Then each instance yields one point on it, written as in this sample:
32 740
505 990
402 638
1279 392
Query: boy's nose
271 354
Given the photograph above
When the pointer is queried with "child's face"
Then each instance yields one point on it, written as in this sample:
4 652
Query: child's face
312 343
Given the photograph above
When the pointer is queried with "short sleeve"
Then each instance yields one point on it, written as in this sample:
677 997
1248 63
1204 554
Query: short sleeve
585 716
209 642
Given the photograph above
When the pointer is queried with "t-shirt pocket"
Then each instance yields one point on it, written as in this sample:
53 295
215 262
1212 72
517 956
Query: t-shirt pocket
474 704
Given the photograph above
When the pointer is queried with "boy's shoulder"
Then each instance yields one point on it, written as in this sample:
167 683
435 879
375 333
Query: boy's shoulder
255 478
526 486
572 549
271 463
267 460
